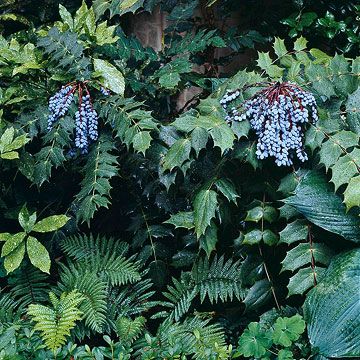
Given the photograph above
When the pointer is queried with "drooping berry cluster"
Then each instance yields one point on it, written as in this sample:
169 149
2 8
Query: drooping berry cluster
86 118
59 104
277 114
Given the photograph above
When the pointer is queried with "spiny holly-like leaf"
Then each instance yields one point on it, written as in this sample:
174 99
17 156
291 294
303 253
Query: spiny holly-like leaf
227 188
302 255
352 193
279 47
346 168
352 111
304 279
209 239
141 141
177 154
334 147
300 44
205 204
183 219
294 232
265 63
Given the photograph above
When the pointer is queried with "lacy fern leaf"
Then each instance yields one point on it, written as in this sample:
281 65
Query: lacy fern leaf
56 322
129 330
93 289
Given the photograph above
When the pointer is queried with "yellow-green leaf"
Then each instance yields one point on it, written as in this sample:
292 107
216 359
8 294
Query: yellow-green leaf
12 243
38 254
51 223
14 259
113 78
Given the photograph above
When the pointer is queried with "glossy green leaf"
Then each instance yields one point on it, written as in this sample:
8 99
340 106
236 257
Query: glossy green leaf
293 232
352 193
315 199
183 219
177 154
332 309
302 255
227 188
304 279
205 204
142 141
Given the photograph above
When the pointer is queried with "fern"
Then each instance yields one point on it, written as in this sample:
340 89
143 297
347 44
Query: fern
8 308
192 336
307 260
103 257
98 269
28 285
55 323
216 280
93 289
129 330
100 167
84 246
65 51
131 300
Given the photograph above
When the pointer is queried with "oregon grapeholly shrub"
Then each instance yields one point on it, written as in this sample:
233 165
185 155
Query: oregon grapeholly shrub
86 117
278 114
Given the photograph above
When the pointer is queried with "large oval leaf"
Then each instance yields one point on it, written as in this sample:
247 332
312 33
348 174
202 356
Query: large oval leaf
332 308
316 200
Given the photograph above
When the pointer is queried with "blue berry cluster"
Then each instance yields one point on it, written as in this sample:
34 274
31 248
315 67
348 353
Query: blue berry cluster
86 118
59 104
86 125
277 114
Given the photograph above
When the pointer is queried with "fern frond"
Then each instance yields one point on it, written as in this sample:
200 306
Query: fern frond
131 300
8 308
129 330
218 279
28 285
93 289
195 336
84 246
56 322
117 269
100 167
180 296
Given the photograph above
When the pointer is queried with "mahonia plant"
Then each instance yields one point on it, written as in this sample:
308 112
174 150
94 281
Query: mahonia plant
277 114
86 118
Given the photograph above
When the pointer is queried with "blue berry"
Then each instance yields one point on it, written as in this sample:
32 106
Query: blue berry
277 114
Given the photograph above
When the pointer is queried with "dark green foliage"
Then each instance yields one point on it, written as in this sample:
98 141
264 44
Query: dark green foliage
202 250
